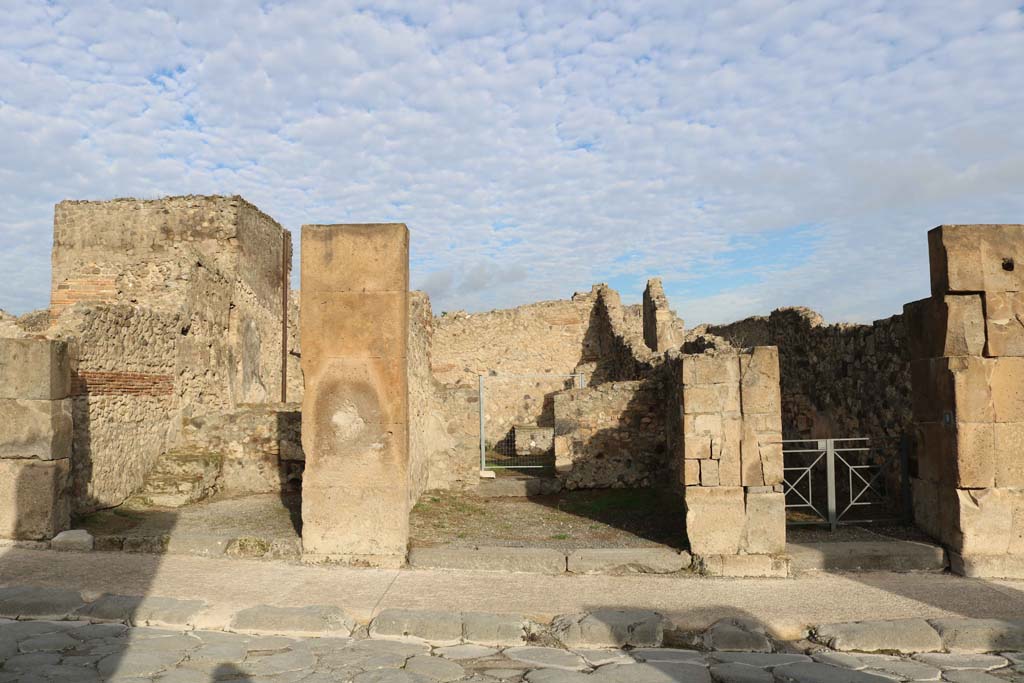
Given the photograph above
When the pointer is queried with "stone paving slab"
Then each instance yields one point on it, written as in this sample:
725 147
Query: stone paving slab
905 635
862 556
490 558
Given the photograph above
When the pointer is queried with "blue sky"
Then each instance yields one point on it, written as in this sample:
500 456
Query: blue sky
754 155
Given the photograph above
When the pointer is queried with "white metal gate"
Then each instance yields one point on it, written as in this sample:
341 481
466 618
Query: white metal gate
534 450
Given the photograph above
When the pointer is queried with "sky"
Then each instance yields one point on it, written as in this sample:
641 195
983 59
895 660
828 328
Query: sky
754 154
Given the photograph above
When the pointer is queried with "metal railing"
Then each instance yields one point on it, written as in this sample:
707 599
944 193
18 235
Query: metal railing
865 485
503 452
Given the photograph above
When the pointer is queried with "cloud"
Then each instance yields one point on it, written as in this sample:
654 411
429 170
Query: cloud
755 155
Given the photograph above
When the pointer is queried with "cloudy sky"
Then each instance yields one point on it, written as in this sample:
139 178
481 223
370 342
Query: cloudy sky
754 155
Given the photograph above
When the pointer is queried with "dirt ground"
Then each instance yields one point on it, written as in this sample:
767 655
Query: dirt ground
610 518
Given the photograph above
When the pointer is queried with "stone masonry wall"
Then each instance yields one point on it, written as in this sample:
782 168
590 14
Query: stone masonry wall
187 321
967 344
840 380
662 329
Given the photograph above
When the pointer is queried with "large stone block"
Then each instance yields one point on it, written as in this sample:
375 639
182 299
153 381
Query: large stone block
976 258
711 398
957 454
1008 455
34 504
715 519
991 521
1004 324
711 368
759 384
765 528
953 389
952 325
354 325
37 369
372 257
35 429
1007 387
355 525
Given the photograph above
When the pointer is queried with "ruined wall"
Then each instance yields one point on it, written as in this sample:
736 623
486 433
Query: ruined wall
173 309
662 329
611 435
618 349
838 380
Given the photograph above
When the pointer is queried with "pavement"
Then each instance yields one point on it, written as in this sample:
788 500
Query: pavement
784 606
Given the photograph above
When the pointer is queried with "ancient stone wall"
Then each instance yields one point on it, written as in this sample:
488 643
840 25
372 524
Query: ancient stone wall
662 329
840 380
731 464
35 441
967 344
188 320
611 435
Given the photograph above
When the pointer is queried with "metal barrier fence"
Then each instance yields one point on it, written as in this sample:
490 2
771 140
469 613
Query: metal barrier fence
857 480
534 450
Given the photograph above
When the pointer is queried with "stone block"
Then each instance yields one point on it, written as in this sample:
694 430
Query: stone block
991 521
760 384
494 629
354 325
1007 387
1004 324
711 368
955 389
35 429
627 561
312 620
441 628
951 325
364 525
34 503
708 472
1008 454
30 602
711 398
610 628
36 369
355 258
987 566
690 474
902 635
739 566
960 454
866 556
715 519
765 529
75 540
935 510
490 558
976 258
960 634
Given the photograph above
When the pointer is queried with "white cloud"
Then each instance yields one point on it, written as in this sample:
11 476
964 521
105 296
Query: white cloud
756 155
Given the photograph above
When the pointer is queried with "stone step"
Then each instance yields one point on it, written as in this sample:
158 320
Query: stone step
861 556
181 477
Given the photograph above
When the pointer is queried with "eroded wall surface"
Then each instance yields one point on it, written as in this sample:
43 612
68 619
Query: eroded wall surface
173 308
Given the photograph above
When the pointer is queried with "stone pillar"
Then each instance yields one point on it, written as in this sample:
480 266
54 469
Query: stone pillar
732 461
354 318
35 439
967 372
662 330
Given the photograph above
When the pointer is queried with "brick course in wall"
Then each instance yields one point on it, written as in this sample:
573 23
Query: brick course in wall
121 383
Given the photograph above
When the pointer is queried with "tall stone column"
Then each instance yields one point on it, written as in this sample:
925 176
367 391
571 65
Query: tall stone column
354 321
967 372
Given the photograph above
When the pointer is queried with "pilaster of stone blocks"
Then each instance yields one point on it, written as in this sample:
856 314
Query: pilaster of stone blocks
354 317
967 344
35 442
732 461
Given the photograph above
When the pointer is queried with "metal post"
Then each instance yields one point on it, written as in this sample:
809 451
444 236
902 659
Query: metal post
480 395
830 472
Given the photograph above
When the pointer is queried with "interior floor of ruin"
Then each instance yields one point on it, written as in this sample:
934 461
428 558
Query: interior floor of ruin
259 525
600 518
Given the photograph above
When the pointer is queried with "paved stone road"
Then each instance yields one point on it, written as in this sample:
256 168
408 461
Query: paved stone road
82 652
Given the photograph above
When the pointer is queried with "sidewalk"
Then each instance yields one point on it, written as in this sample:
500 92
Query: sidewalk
784 605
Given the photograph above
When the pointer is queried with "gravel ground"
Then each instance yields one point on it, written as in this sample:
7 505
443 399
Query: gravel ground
610 518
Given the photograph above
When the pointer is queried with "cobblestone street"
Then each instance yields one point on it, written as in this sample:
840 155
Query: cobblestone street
82 652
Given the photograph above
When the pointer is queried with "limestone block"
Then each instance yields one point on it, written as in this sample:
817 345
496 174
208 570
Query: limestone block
991 521
690 474
974 465
730 453
976 258
372 257
935 510
35 429
37 369
739 566
1004 324
715 519
765 528
354 325
957 388
936 451
34 503
708 472
1007 387
711 368
759 386
355 525
711 398
1008 454
951 325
